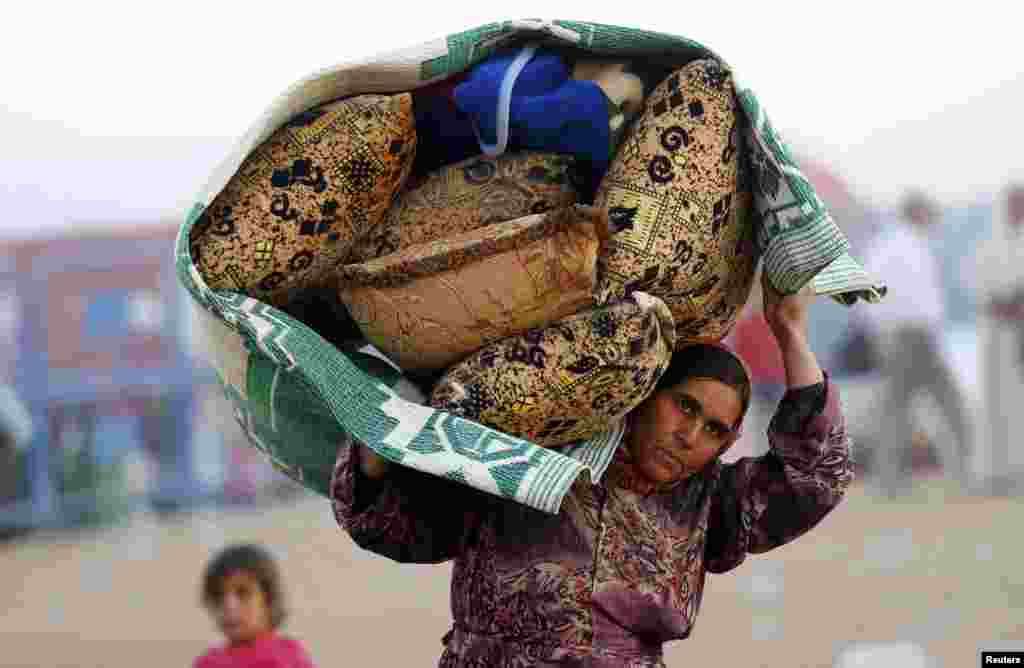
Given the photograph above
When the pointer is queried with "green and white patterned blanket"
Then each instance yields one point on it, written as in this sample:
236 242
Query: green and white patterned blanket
299 398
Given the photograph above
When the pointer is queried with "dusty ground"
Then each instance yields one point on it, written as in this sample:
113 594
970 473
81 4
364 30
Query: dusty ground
938 568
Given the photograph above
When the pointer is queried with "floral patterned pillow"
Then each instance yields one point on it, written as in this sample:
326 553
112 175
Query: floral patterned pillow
304 197
470 194
679 205
432 304
567 381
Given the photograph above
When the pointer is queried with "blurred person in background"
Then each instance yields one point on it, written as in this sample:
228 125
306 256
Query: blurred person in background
999 282
243 592
907 328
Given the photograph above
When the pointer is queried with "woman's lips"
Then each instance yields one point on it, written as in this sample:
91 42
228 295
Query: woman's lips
668 460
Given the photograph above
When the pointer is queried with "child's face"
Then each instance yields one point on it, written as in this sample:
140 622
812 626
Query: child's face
243 612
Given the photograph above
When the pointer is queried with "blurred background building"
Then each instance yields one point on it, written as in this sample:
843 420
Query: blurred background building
95 345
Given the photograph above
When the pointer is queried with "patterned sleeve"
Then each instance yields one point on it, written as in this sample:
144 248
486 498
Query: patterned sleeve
763 502
410 517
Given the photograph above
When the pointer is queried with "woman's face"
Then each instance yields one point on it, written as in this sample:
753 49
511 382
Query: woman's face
243 612
680 429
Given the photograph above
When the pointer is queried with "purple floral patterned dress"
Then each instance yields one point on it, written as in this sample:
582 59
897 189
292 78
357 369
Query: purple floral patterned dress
620 570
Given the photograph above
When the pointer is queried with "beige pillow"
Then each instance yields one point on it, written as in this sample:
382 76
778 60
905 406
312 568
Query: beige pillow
434 303
568 381
680 205
476 192
624 90
301 200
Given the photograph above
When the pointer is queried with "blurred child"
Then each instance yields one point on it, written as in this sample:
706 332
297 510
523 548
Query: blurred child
242 592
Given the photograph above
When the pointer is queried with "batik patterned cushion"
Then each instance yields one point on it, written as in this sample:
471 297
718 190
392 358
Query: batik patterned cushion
299 202
569 380
678 207
434 303
470 194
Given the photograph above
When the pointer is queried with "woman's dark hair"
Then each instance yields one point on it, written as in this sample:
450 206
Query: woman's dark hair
702 360
250 559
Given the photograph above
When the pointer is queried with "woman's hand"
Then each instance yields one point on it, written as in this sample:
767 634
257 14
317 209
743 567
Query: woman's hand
787 317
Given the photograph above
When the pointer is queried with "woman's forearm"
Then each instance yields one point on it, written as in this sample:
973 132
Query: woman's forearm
787 316
801 364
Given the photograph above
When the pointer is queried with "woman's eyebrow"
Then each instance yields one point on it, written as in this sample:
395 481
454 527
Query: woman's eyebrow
689 398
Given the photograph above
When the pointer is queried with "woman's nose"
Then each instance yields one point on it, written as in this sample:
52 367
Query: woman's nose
689 430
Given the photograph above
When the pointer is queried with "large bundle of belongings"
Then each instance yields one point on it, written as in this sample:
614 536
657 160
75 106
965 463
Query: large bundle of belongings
476 256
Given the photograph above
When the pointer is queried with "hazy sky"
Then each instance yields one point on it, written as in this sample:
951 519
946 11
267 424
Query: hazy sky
889 93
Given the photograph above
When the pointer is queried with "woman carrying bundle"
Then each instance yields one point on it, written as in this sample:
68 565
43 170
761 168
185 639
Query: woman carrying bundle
621 569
